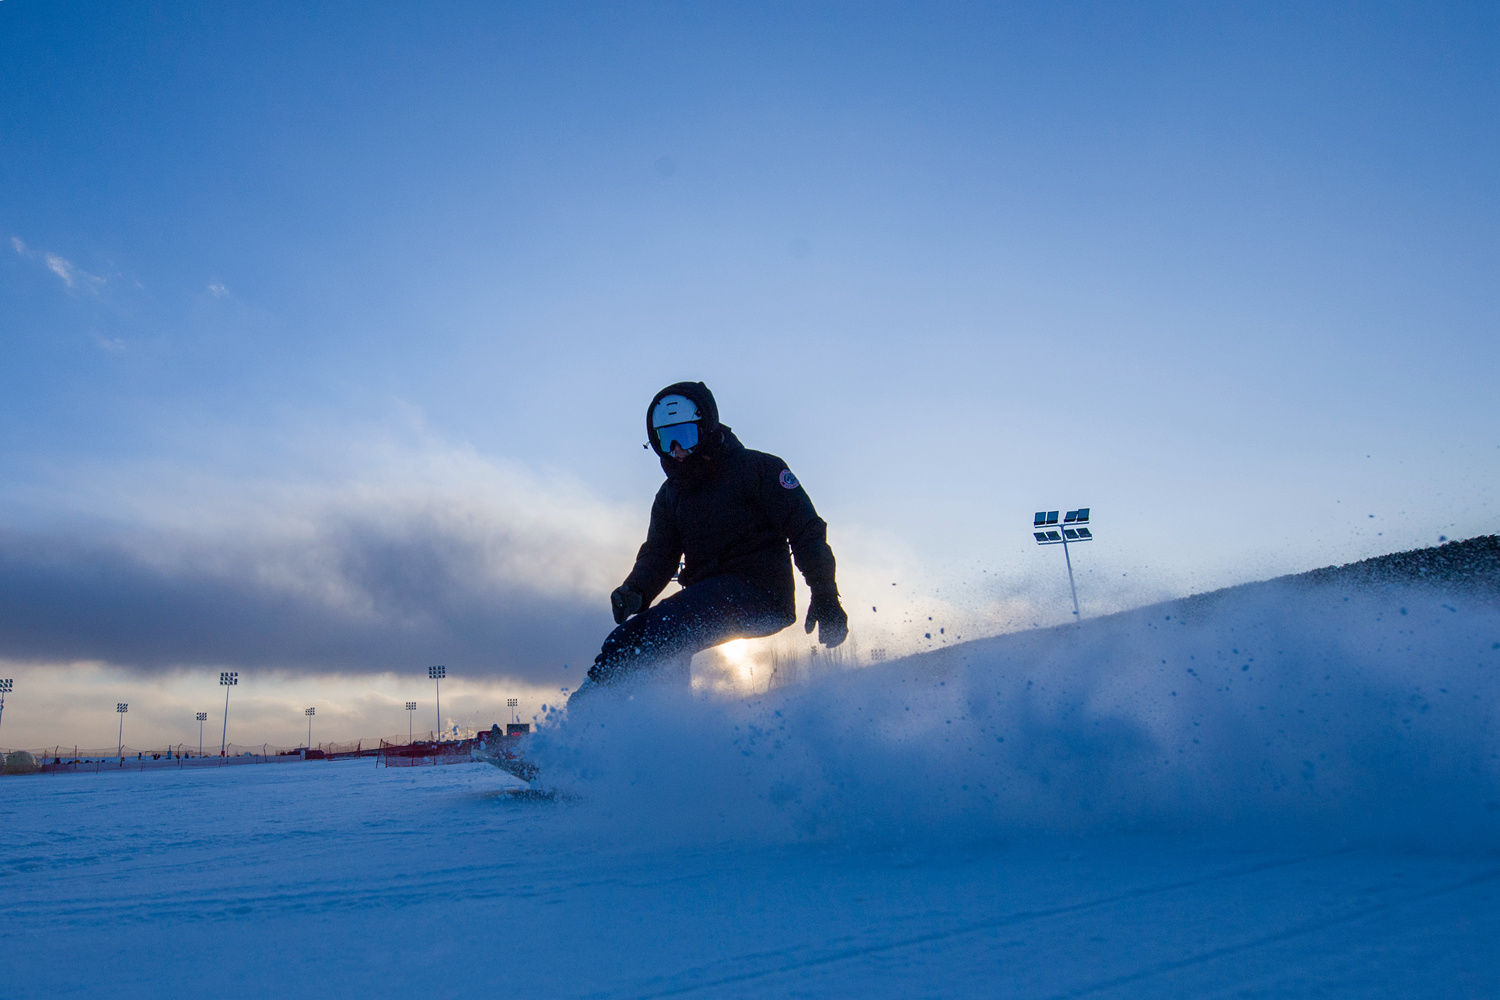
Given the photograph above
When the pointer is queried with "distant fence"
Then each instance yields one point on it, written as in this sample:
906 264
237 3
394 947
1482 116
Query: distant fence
425 753
65 765
74 760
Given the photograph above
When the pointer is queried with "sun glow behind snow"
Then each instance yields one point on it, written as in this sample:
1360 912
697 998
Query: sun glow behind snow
733 669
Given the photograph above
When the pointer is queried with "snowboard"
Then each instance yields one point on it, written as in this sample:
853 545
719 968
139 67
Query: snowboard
507 752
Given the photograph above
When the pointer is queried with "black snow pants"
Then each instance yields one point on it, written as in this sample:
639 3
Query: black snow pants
662 639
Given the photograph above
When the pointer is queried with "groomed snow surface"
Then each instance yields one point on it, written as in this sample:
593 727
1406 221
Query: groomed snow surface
1294 793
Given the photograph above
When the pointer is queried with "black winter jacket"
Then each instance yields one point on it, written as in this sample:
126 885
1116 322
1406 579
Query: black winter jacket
728 509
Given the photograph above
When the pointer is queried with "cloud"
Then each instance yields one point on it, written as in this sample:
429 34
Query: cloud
110 345
434 557
74 277
62 267
360 598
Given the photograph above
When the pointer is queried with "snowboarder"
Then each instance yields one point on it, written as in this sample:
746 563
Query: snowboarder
727 516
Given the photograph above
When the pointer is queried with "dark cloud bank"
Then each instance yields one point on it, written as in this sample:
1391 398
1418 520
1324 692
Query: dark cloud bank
363 598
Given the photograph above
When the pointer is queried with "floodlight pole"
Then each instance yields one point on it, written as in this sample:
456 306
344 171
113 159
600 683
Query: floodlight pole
411 707
437 674
1071 586
310 712
202 717
121 708
511 703
228 678
5 687
1046 530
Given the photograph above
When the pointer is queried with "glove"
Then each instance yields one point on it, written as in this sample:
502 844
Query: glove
625 602
828 615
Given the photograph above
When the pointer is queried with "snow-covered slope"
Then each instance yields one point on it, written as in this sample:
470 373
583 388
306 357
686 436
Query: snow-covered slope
1283 712
1289 793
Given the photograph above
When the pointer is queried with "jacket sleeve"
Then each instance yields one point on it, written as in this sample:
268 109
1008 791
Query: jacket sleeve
793 514
661 553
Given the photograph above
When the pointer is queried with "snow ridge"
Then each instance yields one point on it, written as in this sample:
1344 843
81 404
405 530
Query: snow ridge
1289 714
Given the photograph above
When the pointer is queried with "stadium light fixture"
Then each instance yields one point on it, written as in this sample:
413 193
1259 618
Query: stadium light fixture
511 704
202 717
309 712
5 688
228 678
411 707
121 708
1074 528
437 674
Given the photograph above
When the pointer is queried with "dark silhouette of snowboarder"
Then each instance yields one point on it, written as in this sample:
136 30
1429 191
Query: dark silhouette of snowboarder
732 519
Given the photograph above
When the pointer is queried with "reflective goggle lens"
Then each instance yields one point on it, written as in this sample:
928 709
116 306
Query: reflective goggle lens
684 435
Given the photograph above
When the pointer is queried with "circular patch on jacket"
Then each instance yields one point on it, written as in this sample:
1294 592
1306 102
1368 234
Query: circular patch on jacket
788 480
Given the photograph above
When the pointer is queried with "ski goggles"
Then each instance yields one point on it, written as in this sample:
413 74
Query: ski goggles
683 435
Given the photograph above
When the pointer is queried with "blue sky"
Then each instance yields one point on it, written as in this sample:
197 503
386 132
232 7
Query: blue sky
328 333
